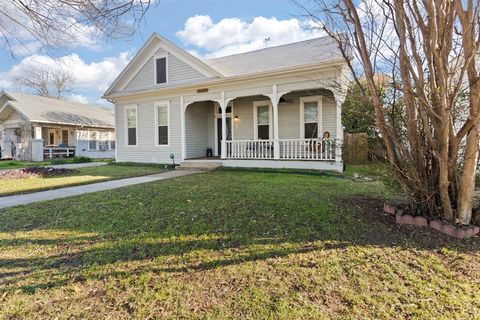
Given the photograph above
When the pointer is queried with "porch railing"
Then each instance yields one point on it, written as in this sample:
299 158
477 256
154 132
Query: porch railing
289 149
58 152
250 149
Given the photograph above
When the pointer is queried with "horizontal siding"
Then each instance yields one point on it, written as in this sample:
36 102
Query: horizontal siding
289 120
146 150
197 131
180 71
243 127
329 116
177 71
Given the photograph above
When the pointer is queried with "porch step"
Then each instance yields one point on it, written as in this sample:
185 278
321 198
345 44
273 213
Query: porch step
199 165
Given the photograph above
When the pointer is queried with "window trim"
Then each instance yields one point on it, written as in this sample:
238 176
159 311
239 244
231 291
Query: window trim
318 100
90 139
158 104
126 126
99 140
257 104
155 58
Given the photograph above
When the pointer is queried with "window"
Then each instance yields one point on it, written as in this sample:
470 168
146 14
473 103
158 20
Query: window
311 113
92 140
131 119
162 124
103 140
310 116
229 110
112 140
161 70
51 137
65 137
262 117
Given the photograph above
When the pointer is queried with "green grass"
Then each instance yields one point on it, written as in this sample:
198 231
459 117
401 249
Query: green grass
84 176
231 244
16 164
8 164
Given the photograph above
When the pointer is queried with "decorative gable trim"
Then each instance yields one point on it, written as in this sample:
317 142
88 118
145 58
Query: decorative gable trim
153 44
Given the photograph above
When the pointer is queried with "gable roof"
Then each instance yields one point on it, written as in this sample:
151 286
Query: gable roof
303 54
146 51
318 50
54 111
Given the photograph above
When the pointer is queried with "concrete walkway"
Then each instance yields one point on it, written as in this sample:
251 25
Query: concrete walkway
21 199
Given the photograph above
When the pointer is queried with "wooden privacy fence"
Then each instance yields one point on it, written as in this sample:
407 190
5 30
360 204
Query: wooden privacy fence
355 148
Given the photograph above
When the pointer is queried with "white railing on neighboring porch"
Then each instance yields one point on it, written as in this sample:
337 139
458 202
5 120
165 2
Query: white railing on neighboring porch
58 152
289 149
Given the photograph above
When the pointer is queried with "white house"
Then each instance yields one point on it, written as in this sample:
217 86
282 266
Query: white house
277 107
66 128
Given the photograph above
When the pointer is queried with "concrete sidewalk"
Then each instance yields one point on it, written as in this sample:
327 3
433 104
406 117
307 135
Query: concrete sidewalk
16 200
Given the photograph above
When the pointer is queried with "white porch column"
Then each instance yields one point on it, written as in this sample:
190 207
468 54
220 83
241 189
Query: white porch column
276 143
37 132
37 150
182 120
223 107
339 98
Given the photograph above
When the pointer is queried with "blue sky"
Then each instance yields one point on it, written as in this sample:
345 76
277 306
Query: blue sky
204 27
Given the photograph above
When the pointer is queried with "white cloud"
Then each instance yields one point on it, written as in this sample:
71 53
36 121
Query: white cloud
89 76
233 35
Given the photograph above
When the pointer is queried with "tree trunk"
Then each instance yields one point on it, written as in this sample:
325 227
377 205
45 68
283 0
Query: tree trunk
467 181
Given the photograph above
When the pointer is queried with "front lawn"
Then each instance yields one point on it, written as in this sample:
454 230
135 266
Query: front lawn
10 164
83 176
232 244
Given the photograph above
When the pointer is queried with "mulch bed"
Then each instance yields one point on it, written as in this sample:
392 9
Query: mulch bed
32 172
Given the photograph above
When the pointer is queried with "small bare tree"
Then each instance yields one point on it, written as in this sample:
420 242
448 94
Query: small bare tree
46 81
59 23
429 50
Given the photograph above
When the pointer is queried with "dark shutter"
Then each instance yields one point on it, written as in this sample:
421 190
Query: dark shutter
161 66
163 135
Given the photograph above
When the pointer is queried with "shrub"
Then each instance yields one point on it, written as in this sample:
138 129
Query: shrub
81 159
58 161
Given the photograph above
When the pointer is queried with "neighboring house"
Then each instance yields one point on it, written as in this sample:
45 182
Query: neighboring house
66 128
275 107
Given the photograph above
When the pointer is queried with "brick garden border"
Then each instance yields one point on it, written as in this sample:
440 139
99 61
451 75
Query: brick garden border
445 228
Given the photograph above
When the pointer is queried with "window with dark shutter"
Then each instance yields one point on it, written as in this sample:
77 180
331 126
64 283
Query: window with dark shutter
161 70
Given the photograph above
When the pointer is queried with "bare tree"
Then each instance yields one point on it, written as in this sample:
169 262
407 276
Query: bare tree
61 23
46 81
428 49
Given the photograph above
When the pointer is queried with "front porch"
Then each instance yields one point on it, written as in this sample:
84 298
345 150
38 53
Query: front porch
299 129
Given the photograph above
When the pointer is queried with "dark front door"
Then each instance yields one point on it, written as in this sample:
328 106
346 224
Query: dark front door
219 132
